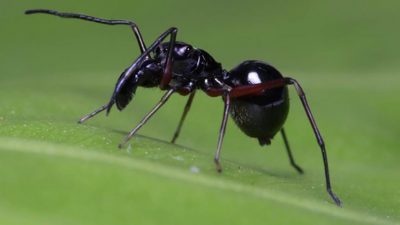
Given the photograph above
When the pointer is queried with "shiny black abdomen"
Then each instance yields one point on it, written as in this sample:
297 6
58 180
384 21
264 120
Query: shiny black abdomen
259 116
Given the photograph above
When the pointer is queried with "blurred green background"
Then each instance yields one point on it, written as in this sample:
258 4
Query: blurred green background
52 71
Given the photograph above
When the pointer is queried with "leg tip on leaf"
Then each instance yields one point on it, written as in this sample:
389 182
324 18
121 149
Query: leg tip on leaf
335 199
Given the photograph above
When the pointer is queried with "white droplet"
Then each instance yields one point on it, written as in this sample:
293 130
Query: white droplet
194 169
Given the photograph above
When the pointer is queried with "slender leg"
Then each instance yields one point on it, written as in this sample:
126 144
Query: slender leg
227 105
133 25
106 107
167 76
145 52
147 117
321 143
92 114
289 152
185 111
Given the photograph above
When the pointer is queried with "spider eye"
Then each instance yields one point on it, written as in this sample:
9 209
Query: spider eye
188 49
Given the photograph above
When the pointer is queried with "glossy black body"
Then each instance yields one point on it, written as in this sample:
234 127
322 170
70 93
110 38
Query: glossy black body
254 92
259 116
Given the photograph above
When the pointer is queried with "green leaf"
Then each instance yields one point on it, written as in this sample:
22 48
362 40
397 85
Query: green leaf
55 171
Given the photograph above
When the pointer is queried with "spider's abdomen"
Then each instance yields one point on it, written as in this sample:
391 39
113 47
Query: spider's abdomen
259 116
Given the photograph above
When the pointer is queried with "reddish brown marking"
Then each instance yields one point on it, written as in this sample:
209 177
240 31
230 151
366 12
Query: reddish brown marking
214 92
184 91
167 76
255 89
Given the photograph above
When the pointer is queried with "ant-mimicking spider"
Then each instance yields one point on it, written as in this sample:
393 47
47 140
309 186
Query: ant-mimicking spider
254 92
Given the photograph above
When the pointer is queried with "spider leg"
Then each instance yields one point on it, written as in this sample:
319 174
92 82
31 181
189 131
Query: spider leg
258 89
289 152
227 104
94 113
133 25
163 100
185 112
318 136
